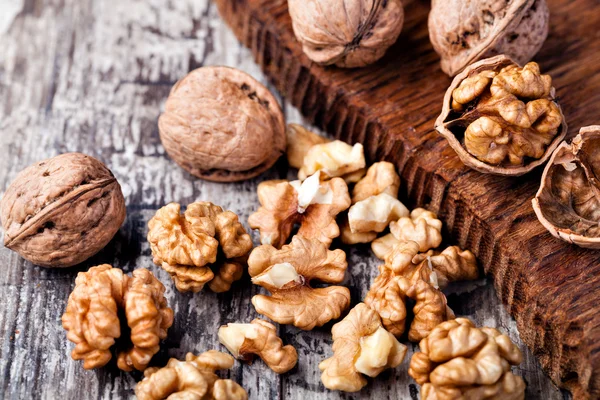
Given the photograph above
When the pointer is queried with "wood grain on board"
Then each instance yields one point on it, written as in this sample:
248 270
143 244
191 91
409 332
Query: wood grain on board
551 288
92 76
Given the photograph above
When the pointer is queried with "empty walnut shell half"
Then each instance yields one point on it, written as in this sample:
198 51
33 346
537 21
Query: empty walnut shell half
61 211
348 34
463 32
220 124
568 201
501 118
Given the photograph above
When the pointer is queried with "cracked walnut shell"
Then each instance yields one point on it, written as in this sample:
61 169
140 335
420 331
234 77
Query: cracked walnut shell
360 346
312 204
347 34
258 337
463 32
568 201
188 245
192 379
222 125
92 316
500 118
61 211
460 361
287 273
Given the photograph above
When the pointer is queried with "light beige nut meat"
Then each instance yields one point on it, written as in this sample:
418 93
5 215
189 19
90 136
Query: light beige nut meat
334 159
347 34
222 125
260 338
312 204
381 177
349 237
452 264
92 316
360 346
421 227
458 361
463 32
299 141
192 379
61 211
375 213
501 118
568 201
386 298
288 273
187 246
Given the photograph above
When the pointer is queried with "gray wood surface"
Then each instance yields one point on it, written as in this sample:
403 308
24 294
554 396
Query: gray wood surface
92 76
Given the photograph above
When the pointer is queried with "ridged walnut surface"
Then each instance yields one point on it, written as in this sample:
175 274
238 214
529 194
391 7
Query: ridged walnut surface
550 288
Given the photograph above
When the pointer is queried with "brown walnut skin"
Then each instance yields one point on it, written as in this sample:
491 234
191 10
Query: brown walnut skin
61 211
568 201
222 125
349 34
449 118
463 32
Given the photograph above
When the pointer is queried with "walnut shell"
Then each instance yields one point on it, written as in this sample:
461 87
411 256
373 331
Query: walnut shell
61 211
222 125
348 34
500 118
463 32
568 201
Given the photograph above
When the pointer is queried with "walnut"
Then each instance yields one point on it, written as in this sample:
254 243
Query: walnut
334 159
463 32
61 211
422 227
500 118
92 316
381 177
360 346
346 34
349 237
375 213
222 125
188 245
459 361
299 141
312 204
258 337
568 201
192 379
288 273
452 264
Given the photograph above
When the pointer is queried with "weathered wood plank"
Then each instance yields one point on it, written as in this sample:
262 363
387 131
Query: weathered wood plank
92 76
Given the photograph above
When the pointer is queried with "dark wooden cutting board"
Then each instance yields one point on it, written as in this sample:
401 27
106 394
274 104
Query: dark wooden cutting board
551 288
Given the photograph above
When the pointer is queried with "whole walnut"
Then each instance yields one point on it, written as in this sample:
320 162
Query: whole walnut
348 34
568 201
61 211
501 118
465 31
220 124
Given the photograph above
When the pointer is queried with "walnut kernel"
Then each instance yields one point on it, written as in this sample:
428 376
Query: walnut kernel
299 141
334 159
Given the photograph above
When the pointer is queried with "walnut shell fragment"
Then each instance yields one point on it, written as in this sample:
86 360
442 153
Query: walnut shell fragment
463 32
221 124
92 316
258 337
500 118
360 346
568 201
191 245
347 34
192 379
61 211
460 361
287 273
312 204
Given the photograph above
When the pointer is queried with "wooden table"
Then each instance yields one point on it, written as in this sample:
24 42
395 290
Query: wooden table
92 76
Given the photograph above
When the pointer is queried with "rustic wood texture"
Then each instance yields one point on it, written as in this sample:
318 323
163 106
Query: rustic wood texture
92 76
551 288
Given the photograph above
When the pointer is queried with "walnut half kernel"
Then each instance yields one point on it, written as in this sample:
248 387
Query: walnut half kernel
501 118
568 201
258 337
